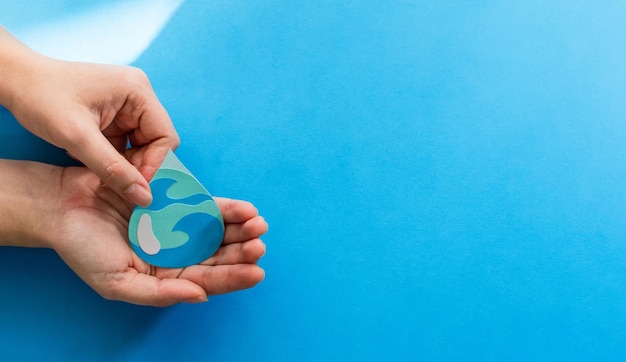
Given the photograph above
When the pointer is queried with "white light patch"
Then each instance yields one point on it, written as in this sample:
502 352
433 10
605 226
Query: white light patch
116 33
145 236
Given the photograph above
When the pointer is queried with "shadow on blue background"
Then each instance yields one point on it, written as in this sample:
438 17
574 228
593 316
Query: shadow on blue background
18 144
443 181
49 314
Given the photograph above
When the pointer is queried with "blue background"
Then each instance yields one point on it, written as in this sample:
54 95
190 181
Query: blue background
444 180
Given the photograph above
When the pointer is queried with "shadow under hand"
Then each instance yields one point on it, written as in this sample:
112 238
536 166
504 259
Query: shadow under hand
17 143
46 310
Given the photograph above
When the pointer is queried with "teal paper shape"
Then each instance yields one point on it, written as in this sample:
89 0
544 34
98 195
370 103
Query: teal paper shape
183 226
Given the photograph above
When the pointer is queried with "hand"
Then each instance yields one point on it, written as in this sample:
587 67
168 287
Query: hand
90 235
91 110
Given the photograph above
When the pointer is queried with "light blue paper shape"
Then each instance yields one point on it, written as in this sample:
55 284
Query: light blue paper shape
183 226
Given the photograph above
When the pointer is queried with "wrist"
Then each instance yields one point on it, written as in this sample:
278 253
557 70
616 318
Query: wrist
17 65
29 203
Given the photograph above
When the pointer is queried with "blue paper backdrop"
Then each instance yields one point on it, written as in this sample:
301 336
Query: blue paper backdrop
444 180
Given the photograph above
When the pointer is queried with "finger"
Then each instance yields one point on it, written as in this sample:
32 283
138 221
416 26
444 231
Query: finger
149 158
153 123
251 229
95 151
248 252
224 278
145 289
235 211
153 157
151 132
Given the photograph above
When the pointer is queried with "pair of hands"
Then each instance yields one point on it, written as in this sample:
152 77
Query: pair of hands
94 112
90 235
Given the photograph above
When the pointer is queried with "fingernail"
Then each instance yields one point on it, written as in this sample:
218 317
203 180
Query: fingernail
138 195
196 300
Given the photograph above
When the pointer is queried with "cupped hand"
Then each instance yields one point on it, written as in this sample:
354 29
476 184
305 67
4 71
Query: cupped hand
91 237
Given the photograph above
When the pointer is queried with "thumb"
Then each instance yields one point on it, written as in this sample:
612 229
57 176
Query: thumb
145 289
99 155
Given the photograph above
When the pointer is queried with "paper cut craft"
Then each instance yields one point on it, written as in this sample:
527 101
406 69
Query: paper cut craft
183 226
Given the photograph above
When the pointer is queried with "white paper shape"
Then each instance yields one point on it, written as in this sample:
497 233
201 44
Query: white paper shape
145 236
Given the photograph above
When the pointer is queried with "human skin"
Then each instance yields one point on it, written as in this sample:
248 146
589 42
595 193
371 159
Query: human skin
91 110
71 211
94 111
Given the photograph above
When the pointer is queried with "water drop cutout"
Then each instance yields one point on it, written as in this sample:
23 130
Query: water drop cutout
183 226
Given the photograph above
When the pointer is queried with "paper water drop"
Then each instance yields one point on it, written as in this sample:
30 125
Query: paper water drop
183 226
